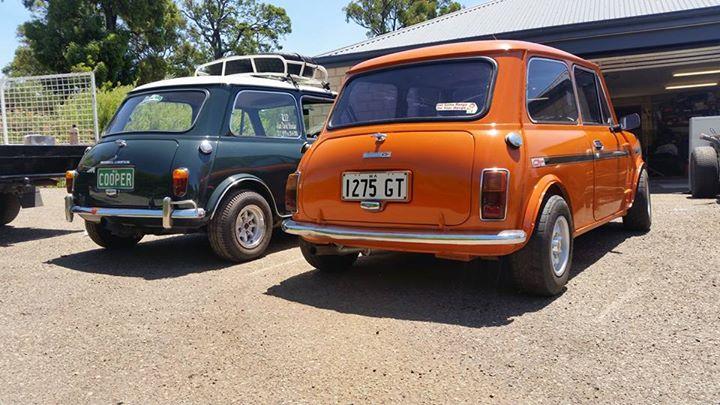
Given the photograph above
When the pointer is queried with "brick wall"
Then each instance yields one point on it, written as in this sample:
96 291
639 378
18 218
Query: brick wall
336 76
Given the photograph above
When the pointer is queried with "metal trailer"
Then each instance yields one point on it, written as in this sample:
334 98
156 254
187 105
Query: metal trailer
47 124
704 143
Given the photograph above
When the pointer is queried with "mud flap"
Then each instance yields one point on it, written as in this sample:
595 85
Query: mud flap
31 198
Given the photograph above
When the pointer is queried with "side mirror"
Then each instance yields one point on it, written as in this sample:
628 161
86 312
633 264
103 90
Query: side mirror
305 147
628 123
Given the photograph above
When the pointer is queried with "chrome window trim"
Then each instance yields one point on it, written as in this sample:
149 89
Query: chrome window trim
572 81
598 88
602 90
298 115
507 193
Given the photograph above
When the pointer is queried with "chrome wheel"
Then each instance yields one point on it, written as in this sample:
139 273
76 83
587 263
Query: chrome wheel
560 246
250 226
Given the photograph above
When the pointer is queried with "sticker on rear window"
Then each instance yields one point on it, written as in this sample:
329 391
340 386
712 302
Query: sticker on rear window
155 98
468 108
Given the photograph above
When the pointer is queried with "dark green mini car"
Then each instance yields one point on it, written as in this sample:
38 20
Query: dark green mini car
206 153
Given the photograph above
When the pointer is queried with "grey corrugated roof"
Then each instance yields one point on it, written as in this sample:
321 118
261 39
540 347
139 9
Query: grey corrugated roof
504 16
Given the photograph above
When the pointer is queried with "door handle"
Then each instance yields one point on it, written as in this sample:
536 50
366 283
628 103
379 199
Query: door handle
598 145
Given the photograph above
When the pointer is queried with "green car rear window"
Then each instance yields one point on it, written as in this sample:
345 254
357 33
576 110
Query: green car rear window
166 111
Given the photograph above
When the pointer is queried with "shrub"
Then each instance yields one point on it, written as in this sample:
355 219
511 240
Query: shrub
108 101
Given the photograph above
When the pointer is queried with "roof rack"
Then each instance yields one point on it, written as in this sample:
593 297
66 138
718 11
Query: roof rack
298 68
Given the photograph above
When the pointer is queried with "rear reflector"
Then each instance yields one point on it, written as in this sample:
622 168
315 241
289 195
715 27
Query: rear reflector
180 178
494 194
291 192
70 180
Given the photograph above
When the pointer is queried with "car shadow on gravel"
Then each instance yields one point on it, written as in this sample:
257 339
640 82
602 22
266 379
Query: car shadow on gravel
669 186
422 288
10 235
593 246
159 259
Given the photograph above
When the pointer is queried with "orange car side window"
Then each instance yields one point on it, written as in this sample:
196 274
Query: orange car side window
550 92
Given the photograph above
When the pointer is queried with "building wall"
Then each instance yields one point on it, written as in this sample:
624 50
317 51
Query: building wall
336 76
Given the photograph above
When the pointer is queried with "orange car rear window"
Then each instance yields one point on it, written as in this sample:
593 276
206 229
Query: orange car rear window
442 90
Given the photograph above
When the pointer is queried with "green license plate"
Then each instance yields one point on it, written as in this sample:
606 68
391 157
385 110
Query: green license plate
118 178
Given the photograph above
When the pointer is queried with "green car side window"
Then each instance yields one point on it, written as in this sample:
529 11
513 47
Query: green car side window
240 124
315 112
262 113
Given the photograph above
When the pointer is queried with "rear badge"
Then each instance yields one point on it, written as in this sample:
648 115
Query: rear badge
538 162
377 155
111 192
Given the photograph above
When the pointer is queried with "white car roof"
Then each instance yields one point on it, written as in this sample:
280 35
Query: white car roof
236 80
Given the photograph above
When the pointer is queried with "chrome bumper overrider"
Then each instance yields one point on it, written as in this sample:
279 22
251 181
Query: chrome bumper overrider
509 237
168 212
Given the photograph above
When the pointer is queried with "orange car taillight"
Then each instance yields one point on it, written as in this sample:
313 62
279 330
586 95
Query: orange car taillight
291 192
494 194
180 178
70 180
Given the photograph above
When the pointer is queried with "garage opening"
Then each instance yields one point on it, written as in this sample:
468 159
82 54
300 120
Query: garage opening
666 89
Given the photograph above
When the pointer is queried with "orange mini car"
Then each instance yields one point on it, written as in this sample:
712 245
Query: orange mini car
480 149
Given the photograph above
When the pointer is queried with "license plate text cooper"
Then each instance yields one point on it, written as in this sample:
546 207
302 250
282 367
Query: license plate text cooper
121 179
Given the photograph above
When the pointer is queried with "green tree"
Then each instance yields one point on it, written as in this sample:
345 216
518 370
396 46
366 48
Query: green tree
24 63
123 41
108 100
185 58
383 16
224 27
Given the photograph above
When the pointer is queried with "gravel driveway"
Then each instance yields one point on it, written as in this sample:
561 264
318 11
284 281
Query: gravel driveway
168 322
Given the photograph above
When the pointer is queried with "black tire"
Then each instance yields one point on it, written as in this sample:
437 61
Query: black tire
326 263
9 208
704 176
532 267
225 234
639 216
104 238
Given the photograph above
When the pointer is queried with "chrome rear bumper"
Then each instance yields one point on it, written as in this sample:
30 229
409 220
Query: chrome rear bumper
507 237
168 212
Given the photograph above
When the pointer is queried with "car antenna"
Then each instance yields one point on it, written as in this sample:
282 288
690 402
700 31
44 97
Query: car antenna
292 80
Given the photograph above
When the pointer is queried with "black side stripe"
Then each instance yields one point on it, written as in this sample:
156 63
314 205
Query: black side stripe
611 155
556 160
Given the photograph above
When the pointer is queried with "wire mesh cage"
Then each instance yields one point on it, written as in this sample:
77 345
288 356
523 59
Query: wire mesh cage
58 109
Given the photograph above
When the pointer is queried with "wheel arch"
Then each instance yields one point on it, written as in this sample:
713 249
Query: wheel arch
244 182
635 183
547 186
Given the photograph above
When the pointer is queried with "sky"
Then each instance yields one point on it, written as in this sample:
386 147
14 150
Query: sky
317 26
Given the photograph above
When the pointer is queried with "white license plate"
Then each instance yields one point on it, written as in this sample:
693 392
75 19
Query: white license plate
378 186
